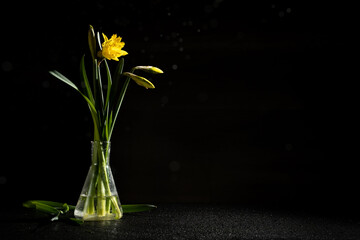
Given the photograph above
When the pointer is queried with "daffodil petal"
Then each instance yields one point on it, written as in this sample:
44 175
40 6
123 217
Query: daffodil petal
123 53
105 37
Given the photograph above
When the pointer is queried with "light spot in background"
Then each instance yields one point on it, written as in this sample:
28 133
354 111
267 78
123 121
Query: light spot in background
45 84
174 67
3 180
175 35
289 147
174 166
288 10
6 66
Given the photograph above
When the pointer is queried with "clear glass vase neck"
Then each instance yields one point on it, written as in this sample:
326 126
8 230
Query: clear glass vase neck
100 151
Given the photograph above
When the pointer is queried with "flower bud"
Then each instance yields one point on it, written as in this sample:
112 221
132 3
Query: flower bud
92 41
149 69
141 81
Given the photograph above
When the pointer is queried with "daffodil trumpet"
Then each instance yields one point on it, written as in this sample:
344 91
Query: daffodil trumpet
104 103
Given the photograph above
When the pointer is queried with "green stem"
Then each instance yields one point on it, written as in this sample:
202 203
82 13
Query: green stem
99 190
103 175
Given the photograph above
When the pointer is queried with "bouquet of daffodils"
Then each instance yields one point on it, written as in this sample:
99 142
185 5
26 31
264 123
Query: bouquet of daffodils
104 106
98 199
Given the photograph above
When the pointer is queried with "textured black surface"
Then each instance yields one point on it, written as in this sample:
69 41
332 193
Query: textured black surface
186 222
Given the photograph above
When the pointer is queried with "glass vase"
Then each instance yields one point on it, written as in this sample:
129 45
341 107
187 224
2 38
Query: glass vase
99 199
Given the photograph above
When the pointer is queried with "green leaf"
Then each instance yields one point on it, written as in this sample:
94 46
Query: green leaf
119 69
116 81
107 101
63 78
109 83
78 221
98 92
46 209
118 105
57 205
67 81
115 90
131 208
85 79
55 209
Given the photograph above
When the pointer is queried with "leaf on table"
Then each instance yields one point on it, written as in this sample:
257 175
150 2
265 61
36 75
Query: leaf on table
131 208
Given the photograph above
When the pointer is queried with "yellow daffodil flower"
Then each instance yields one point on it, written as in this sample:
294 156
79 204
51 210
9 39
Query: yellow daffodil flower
112 48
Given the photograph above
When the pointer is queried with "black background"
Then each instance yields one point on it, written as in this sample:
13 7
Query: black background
256 105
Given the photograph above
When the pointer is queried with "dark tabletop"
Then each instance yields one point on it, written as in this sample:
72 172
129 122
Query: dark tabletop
185 221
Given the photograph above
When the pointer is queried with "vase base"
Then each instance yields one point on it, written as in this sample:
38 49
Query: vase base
95 217
98 208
